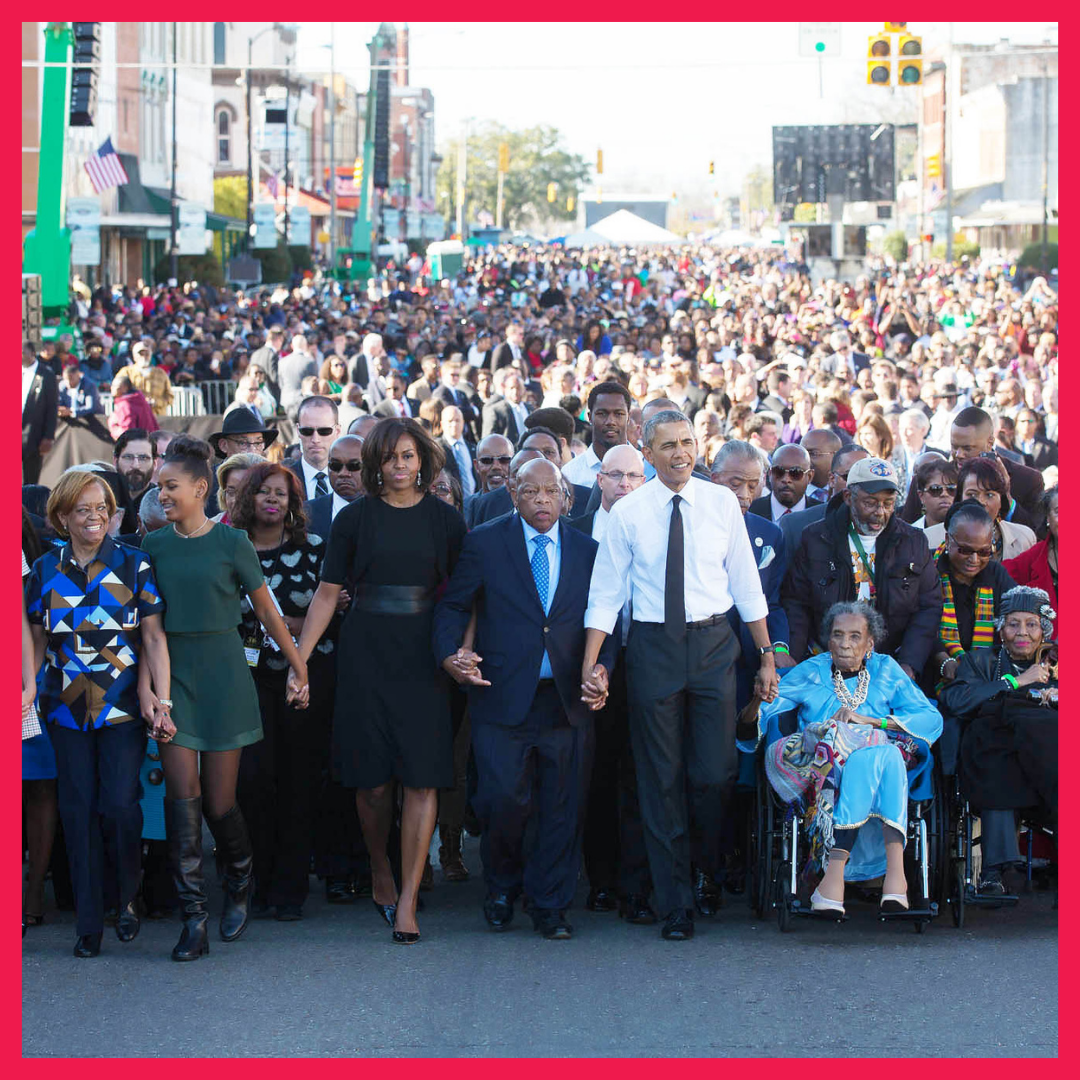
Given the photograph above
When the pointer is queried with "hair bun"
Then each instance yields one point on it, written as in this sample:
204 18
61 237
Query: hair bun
189 447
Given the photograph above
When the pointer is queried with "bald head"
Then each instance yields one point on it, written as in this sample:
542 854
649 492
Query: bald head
821 444
453 422
537 492
622 471
345 452
362 425
493 461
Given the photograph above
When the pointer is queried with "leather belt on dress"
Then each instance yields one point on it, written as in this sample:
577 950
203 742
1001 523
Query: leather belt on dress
393 599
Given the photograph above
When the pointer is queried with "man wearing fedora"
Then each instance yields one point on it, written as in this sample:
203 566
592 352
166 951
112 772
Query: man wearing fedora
242 432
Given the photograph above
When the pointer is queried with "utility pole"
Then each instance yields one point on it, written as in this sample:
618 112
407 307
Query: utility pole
250 189
288 61
333 163
174 255
461 167
947 154
1046 168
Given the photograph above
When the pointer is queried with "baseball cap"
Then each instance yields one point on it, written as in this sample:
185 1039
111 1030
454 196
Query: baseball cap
873 475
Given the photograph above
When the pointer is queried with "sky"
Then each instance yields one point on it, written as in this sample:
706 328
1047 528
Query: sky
661 99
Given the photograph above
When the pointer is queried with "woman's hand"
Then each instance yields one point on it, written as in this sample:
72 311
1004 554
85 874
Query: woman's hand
1037 673
594 687
297 691
163 728
28 695
844 715
464 668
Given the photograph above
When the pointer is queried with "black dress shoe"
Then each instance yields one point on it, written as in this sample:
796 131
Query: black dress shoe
601 900
706 895
499 910
339 892
288 913
387 911
127 923
404 937
87 946
635 909
678 926
552 924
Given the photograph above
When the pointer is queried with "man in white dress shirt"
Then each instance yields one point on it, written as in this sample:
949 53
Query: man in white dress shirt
317 426
609 411
678 548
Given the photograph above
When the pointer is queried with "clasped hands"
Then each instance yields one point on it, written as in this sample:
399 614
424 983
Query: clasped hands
463 667
297 691
156 716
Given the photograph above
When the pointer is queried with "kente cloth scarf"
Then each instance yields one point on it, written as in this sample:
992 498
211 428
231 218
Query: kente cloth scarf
805 769
949 631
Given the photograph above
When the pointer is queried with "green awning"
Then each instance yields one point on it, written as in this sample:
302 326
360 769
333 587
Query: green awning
224 223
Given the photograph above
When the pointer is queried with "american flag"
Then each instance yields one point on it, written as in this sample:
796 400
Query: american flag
105 169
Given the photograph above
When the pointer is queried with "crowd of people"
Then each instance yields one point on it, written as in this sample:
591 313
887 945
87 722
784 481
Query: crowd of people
558 541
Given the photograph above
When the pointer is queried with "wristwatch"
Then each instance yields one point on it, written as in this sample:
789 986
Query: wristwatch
767 649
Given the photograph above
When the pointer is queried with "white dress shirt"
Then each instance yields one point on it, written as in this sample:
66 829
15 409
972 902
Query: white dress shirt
718 560
337 504
310 480
521 410
554 564
463 459
583 468
28 374
779 509
599 527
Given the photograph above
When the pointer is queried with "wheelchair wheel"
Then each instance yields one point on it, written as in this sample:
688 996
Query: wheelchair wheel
761 848
783 897
957 898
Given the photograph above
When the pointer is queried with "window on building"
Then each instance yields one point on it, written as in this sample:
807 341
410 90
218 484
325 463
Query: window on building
219 43
224 132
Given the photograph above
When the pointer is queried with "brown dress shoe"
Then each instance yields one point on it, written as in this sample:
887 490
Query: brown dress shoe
453 868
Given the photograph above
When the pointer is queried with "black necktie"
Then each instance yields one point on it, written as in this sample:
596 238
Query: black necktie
674 582
320 485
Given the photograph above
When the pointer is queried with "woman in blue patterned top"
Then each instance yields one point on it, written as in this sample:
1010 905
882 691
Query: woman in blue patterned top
94 607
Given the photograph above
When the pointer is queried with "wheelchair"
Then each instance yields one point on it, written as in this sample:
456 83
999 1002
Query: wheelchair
964 845
780 847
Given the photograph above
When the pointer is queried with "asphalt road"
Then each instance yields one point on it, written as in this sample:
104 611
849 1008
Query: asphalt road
334 985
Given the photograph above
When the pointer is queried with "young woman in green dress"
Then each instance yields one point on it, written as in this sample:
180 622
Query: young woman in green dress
202 568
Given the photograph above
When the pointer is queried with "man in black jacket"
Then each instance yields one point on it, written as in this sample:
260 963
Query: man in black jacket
861 550
39 413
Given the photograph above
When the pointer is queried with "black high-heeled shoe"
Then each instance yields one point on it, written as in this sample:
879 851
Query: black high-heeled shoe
404 937
387 911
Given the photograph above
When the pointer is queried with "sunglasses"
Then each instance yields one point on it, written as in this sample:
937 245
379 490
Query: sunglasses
487 462
307 432
937 490
963 549
337 466
796 472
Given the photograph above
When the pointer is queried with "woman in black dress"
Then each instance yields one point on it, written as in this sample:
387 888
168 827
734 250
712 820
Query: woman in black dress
392 713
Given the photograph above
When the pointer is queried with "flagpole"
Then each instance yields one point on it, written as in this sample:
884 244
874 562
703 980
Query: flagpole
174 255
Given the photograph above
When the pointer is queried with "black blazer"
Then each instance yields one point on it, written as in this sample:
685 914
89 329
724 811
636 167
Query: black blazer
499 419
1044 453
763 508
386 408
469 410
502 356
451 460
39 413
319 515
585 522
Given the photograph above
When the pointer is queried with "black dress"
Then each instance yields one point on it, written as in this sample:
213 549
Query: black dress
392 711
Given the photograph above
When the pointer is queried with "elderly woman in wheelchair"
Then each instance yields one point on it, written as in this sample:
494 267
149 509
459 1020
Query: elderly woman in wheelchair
1006 702
862 725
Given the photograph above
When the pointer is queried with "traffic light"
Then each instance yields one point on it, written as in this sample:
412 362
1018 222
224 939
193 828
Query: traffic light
358 172
933 166
569 204
84 73
878 66
895 27
909 61
599 162
712 168
504 157
552 191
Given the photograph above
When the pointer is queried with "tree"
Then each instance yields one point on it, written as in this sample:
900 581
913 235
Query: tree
896 245
537 158
230 196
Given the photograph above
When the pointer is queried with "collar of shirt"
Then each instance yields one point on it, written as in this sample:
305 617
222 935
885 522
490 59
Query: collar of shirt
530 534
337 505
778 508
67 556
309 476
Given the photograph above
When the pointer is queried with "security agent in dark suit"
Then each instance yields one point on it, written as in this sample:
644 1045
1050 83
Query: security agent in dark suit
454 390
39 413
395 396
792 525
616 862
531 726
790 474
971 434
1042 452
501 413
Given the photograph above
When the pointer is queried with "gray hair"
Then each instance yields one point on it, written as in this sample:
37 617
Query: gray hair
1024 598
919 416
668 416
736 448
150 512
874 622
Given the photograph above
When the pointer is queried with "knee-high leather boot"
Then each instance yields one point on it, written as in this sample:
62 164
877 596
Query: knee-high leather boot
234 845
183 826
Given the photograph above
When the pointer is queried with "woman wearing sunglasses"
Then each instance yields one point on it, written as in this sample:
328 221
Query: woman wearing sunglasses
935 481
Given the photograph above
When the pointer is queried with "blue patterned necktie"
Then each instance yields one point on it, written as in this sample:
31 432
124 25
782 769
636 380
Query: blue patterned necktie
541 570
320 485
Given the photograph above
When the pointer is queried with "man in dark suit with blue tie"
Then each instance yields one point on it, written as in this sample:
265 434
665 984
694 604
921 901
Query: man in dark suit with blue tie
527 575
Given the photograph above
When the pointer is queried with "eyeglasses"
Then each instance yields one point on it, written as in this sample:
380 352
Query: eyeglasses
619 476
336 466
442 489
307 432
133 459
247 444
937 490
487 462
963 549
796 472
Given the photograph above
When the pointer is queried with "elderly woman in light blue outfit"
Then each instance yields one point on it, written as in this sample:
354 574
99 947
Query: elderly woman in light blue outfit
862 744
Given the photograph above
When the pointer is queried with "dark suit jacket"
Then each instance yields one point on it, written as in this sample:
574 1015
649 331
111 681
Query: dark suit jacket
1044 453
469 411
388 408
774 404
792 525
512 631
318 513
502 356
763 507
451 460
493 504
771 557
499 419
39 413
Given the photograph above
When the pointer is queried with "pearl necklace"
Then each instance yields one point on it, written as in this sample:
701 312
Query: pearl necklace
862 688
191 535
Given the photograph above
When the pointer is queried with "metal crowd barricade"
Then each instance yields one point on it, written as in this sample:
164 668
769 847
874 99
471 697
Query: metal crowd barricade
203 399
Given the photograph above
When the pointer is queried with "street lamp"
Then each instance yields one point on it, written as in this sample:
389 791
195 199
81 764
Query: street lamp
250 189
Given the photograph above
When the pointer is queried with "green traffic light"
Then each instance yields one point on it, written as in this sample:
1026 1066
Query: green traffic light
820 46
909 74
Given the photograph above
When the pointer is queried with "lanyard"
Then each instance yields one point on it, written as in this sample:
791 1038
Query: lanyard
865 561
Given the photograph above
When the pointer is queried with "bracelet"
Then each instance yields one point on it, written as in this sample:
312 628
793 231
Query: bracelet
167 702
782 648
1012 681
885 724
941 670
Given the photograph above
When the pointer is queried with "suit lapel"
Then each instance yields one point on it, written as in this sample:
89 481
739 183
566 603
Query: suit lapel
519 558
566 564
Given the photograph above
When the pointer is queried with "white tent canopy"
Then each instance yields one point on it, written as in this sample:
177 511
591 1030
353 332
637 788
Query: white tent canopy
622 227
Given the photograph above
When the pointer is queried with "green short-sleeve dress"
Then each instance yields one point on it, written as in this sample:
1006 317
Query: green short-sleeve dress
215 705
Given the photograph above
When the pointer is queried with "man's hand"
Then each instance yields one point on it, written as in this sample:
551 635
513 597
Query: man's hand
767 682
63 411
908 672
344 600
463 667
594 686
45 446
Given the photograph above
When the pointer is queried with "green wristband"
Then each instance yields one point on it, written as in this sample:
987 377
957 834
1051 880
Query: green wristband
885 724
1012 681
782 648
